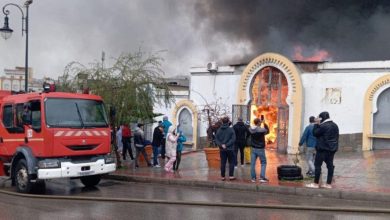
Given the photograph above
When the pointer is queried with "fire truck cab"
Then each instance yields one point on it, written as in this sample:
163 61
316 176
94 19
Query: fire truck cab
52 135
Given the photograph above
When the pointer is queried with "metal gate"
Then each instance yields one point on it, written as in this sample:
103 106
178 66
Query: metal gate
282 134
381 120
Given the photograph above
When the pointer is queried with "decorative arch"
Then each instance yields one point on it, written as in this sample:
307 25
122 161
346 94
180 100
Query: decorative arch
370 107
294 97
189 105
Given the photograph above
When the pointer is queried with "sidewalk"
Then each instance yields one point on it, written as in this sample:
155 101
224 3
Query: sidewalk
358 175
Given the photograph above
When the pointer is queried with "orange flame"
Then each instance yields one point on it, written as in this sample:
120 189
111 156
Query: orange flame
270 114
319 55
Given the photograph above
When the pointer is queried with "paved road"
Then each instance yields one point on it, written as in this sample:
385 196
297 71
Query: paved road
14 207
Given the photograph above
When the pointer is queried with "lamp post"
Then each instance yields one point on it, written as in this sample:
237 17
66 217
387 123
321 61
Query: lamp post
6 33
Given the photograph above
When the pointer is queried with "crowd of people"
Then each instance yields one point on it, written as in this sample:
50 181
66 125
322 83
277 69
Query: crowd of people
320 139
167 142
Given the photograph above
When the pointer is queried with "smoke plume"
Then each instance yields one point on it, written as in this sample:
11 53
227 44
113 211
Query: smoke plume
345 30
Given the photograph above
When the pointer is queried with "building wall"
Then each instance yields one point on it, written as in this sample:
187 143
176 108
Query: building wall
347 112
208 88
338 88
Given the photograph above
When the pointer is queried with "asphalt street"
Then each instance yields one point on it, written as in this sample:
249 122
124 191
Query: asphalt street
17 207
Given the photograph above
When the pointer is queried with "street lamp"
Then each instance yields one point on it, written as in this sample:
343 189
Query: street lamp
6 33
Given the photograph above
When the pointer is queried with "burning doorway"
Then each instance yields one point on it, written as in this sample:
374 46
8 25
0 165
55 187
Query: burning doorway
289 103
269 90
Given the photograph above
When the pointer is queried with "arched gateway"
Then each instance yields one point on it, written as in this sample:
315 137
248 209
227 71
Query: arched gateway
271 87
185 116
376 120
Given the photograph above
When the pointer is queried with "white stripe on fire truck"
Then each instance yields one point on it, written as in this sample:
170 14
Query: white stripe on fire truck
36 139
59 133
96 133
79 133
104 133
13 140
69 133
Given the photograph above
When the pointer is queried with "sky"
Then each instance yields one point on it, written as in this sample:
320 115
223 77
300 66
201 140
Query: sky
191 33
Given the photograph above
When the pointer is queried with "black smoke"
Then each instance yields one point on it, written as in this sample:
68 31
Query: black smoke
350 30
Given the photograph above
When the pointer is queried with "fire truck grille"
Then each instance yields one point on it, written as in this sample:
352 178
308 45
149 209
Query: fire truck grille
82 147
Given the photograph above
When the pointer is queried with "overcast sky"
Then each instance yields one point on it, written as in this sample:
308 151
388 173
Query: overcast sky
193 32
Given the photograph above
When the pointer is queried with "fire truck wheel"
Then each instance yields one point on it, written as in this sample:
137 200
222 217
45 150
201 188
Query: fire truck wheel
22 178
90 180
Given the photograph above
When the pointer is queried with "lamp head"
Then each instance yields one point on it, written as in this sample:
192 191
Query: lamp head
5 31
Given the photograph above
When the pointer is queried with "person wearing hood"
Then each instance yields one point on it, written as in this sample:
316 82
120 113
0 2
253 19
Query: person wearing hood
241 131
258 149
166 124
225 138
327 134
171 146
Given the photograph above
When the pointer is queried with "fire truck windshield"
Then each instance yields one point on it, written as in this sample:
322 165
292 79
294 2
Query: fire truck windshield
75 113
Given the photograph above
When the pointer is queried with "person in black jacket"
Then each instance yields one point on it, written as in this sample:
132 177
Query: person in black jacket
158 136
225 138
258 133
241 131
327 134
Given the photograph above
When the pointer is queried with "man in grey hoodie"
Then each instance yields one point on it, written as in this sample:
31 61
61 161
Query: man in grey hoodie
258 148
225 138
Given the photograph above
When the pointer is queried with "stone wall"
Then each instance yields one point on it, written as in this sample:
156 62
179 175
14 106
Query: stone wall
350 142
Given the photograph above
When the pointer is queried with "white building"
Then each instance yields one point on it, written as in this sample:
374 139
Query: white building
286 93
13 80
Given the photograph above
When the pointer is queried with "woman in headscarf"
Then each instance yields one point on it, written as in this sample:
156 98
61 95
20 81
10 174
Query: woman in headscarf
171 146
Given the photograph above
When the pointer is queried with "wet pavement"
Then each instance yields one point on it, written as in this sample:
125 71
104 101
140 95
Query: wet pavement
355 172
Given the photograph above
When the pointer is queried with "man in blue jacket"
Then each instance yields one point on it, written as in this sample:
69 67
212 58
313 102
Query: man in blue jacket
225 138
311 141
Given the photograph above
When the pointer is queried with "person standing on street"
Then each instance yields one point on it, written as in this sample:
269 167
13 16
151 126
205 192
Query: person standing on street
311 141
126 140
224 139
180 142
258 149
241 131
171 146
158 137
327 134
166 124
139 142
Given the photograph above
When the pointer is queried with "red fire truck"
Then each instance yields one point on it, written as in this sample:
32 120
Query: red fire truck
52 135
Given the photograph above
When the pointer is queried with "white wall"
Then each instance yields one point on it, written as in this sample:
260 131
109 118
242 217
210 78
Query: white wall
211 87
349 113
166 110
353 78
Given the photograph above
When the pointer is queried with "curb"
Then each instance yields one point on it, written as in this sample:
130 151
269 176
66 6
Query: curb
286 190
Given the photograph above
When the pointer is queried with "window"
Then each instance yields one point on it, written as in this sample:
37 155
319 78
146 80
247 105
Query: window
19 115
36 115
8 116
9 119
75 113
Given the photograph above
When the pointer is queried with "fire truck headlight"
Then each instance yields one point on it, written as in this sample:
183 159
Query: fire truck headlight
49 163
109 159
